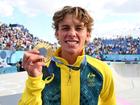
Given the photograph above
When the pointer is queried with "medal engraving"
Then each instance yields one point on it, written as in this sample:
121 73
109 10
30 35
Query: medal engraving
45 50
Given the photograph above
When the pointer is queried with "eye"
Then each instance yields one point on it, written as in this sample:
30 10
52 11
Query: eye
65 28
79 28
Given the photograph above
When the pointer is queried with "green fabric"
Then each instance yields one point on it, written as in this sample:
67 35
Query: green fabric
90 81
51 93
91 84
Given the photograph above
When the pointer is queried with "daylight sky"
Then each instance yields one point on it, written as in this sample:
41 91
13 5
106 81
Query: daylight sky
112 17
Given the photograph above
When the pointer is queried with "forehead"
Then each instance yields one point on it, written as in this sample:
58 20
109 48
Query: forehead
71 20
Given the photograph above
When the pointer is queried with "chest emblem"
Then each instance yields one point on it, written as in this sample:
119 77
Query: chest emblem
91 79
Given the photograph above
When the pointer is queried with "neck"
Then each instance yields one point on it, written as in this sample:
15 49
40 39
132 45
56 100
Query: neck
70 58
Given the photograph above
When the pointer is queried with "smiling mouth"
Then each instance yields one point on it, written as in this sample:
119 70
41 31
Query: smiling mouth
72 42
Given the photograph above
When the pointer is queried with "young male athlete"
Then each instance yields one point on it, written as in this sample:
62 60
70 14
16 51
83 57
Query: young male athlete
71 77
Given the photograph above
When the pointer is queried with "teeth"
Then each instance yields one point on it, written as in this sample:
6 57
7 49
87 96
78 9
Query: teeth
71 42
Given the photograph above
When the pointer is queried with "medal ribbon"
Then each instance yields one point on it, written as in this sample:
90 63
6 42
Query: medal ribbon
71 66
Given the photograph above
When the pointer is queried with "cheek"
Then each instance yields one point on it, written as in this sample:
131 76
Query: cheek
58 35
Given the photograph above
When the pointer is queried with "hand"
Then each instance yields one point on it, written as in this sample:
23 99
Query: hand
33 62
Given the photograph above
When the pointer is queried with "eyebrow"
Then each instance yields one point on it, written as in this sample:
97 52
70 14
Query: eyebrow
64 25
79 25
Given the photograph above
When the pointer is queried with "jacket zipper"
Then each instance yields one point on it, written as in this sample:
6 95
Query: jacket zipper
69 77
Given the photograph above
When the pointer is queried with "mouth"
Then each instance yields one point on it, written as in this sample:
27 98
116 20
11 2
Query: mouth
72 42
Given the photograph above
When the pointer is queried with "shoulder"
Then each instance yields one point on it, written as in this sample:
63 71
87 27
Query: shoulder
107 91
96 62
101 66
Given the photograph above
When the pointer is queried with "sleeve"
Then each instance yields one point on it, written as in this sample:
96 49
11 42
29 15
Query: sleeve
107 96
32 92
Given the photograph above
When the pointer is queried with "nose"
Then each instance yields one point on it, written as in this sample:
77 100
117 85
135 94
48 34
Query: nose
72 32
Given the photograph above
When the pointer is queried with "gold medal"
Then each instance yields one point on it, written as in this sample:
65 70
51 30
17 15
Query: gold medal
45 50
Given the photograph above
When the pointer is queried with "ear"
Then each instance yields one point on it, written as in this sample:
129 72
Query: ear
88 37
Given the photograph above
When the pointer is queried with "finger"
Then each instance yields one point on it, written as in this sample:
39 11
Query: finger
32 57
40 63
27 54
35 58
34 51
25 58
30 68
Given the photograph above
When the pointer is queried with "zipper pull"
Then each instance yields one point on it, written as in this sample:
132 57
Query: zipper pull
69 78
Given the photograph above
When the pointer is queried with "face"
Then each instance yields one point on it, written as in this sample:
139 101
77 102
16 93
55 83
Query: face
72 35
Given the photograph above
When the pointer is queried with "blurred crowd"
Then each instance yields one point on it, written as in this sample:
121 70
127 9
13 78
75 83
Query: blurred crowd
119 45
17 37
